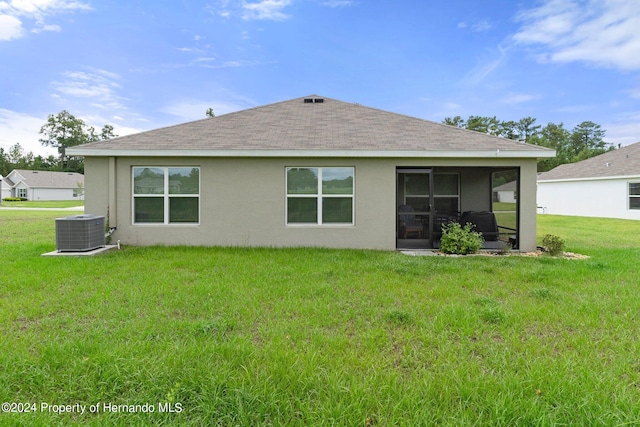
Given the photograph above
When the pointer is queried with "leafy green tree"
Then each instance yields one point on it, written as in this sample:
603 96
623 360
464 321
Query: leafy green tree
527 129
5 165
584 141
15 153
489 125
105 133
43 163
64 130
456 121
556 137
509 130
209 112
587 141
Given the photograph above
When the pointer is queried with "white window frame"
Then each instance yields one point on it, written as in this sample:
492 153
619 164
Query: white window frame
166 196
632 196
22 192
319 198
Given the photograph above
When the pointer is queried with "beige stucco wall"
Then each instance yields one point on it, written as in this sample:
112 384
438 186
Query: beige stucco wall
242 201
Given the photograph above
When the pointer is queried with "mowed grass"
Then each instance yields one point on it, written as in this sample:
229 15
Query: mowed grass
236 336
55 204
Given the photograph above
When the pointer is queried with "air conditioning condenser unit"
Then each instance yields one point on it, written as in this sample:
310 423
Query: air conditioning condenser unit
80 233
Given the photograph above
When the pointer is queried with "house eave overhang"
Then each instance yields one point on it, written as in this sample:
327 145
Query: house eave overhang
483 154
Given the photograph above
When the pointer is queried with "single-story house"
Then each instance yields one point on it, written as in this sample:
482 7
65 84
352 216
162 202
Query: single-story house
606 186
506 193
5 187
310 171
45 185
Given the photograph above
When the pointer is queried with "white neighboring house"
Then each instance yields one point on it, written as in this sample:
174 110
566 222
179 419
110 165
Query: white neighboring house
5 188
506 193
606 186
45 185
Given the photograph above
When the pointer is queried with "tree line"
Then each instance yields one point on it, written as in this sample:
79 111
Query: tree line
583 141
60 131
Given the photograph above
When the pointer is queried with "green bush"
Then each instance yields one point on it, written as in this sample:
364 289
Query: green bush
553 244
460 240
14 199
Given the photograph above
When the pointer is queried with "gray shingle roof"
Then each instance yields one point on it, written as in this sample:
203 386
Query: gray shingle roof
46 179
509 186
624 161
298 125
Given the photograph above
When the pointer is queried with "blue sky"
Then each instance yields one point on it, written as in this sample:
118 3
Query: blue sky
141 65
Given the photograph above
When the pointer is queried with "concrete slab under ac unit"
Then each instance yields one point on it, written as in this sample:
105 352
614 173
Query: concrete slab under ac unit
83 253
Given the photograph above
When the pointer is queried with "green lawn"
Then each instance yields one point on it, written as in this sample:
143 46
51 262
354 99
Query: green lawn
233 336
43 204
503 206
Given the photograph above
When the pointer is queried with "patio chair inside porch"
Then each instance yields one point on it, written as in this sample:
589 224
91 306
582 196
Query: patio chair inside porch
485 223
411 227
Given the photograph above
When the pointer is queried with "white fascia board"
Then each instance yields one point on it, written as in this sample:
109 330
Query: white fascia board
485 154
593 178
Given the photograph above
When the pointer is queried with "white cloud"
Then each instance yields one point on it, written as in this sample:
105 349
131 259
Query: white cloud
518 98
482 26
601 32
189 50
16 14
486 66
220 8
339 3
634 93
23 129
10 28
35 7
227 64
478 27
624 131
269 10
47 27
99 84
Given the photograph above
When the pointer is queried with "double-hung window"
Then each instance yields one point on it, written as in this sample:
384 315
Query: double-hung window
22 192
166 195
320 195
634 195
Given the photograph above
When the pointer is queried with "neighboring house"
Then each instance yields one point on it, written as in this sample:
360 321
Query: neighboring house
605 186
506 193
5 187
310 171
45 185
